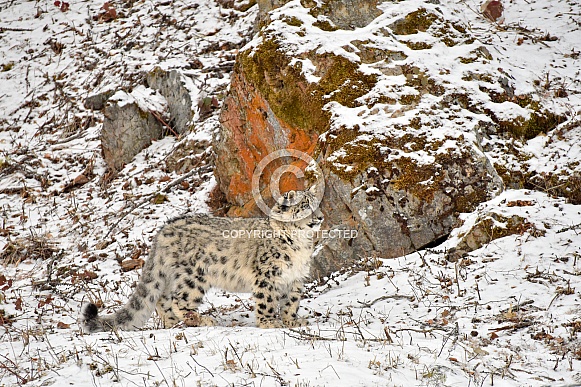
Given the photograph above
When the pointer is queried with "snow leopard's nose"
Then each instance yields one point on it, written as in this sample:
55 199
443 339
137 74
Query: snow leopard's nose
318 216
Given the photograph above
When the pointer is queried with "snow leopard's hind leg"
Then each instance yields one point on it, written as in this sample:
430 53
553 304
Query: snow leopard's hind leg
165 312
188 294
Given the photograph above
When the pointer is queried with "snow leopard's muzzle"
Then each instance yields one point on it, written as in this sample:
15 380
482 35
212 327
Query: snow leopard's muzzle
316 218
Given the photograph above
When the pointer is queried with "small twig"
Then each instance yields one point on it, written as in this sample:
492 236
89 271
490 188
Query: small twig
333 368
134 207
161 121
569 228
204 367
155 362
454 331
358 329
424 331
552 300
147 198
311 336
457 280
518 306
4 366
236 354
182 178
2 29
277 375
382 298
519 325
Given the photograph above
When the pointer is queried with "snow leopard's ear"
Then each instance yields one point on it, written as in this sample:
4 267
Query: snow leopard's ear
290 195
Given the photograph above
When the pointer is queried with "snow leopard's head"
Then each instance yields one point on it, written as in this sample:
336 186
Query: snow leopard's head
300 207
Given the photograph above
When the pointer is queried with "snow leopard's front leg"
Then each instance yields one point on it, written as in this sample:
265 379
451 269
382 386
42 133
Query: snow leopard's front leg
289 305
267 298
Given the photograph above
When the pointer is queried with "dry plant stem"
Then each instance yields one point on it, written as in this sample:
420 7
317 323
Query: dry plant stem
383 298
236 354
277 375
157 365
204 367
2 29
161 121
454 332
519 325
457 281
10 370
305 335
184 177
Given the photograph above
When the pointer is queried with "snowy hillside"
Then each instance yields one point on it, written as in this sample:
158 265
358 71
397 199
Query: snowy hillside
498 303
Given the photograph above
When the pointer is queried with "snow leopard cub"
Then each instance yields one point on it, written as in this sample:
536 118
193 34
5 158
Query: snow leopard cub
269 257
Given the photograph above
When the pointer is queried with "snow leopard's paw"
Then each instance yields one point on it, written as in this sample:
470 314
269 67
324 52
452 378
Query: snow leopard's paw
295 323
193 319
269 324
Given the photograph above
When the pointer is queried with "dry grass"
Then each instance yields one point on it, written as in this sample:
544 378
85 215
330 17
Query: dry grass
33 247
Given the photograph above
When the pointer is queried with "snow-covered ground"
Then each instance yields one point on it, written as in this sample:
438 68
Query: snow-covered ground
508 313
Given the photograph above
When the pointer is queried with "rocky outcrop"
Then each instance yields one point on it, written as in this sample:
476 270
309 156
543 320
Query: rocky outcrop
330 14
178 90
131 122
490 223
544 169
272 106
401 205
398 138
344 14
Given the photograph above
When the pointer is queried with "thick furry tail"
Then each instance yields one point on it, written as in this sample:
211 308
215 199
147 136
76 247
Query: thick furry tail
132 315
91 321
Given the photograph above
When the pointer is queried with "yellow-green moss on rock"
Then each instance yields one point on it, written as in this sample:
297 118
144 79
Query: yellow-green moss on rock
291 97
353 155
540 121
284 87
422 20
293 21
325 25
420 81
417 46
414 22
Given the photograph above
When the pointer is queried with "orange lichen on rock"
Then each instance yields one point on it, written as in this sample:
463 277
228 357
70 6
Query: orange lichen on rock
254 133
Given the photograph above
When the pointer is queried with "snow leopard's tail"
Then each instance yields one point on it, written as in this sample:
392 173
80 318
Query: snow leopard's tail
138 309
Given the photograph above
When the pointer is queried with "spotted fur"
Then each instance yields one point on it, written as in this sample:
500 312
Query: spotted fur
190 254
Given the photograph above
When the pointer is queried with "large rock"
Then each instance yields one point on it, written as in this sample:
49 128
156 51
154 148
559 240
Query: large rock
331 14
400 205
131 122
344 14
178 90
398 137
272 106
